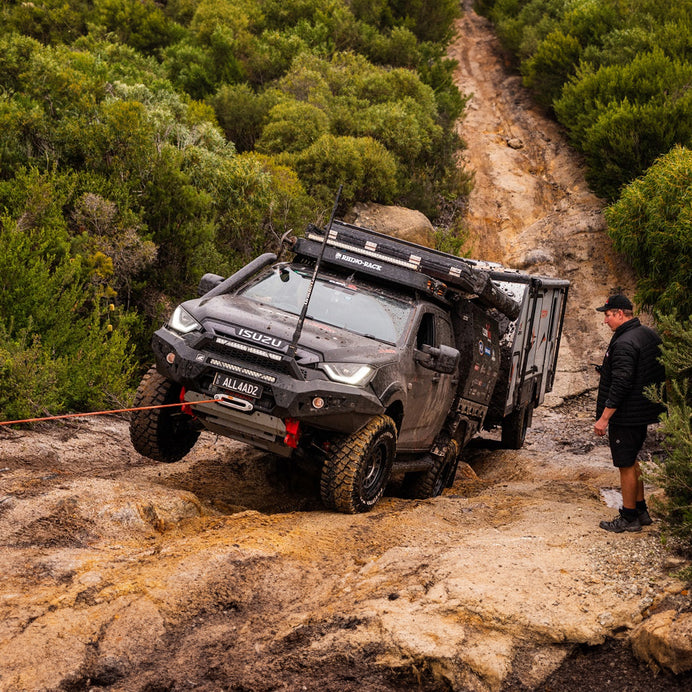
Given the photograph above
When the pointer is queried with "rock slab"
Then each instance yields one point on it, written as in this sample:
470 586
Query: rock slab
665 640
407 224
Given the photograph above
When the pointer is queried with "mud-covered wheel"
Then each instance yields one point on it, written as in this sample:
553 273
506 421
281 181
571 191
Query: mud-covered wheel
430 483
514 427
162 434
357 468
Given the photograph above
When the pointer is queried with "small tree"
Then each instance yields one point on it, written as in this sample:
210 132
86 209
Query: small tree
673 471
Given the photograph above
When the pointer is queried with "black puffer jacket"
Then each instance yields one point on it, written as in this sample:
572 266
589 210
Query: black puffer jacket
630 364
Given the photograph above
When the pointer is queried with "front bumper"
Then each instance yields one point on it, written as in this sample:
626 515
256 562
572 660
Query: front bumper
184 360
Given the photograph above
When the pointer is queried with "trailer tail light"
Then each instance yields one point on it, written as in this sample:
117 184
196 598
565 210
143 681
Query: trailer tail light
292 432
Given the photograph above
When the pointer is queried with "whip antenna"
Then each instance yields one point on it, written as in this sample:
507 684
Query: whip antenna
301 319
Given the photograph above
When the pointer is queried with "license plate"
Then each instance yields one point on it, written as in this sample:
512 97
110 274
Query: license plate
233 384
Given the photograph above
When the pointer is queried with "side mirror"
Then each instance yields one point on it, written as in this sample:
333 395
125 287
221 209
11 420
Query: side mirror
444 359
447 360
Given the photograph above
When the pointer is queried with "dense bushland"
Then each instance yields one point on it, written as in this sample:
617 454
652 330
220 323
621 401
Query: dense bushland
142 144
616 73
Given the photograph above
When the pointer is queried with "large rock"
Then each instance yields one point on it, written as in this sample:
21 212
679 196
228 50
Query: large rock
665 639
400 222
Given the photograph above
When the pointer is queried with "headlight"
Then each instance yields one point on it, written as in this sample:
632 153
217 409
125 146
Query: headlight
348 373
182 321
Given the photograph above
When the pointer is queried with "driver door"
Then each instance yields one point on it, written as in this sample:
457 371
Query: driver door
430 392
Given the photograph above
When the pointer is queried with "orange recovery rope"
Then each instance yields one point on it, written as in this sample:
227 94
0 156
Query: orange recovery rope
103 413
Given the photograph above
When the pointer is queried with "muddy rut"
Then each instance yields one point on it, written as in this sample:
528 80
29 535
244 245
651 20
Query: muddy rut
224 572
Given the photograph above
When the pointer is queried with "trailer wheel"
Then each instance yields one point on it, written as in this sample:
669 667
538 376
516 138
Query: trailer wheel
514 427
423 484
162 434
357 468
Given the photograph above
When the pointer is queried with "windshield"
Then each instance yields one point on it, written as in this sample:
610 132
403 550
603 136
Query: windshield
361 309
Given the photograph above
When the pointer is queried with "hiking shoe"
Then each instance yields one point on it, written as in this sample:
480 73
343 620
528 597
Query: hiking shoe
645 518
620 524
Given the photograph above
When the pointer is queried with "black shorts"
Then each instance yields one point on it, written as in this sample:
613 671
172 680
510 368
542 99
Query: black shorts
626 442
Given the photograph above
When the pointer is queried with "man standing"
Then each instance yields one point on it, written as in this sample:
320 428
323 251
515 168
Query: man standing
631 363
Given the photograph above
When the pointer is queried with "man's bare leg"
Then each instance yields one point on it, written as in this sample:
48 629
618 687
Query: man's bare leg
631 485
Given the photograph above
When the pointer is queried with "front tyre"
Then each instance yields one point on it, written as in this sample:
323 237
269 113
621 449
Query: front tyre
162 434
357 468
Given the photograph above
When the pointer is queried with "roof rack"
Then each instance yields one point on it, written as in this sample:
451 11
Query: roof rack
378 254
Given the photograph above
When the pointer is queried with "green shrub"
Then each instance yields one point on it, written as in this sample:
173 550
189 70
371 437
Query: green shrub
430 20
673 471
651 224
366 169
141 24
399 47
437 72
242 113
36 380
522 25
225 31
651 78
402 126
393 107
589 22
623 117
28 378
620 47
62 345
272 54
292 126
551 65
49 21
190 68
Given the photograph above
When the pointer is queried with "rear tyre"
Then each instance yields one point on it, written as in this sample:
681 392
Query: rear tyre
424 484
357 468
162 434
514 427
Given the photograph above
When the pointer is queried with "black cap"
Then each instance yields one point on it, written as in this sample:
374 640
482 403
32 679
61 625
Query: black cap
616 302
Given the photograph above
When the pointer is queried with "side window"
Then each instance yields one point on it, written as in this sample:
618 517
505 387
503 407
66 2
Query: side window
444 332
426 331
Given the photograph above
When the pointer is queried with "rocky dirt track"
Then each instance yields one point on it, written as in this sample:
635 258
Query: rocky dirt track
224 572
